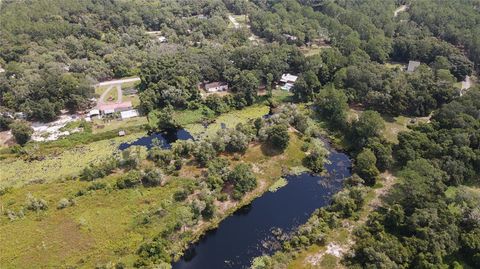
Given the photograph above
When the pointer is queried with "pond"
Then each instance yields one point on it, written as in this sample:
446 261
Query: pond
248 232
165 139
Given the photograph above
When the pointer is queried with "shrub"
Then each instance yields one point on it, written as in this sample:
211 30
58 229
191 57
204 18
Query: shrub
243 179
22 131
277 137
129 180
94 171
152 178
209 211
64 202
35 204
96 186
365 166
180 195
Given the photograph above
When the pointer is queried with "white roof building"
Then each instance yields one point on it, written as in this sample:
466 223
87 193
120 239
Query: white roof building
287 86
216 87
129 114
108 111
412 66
288 78
94 112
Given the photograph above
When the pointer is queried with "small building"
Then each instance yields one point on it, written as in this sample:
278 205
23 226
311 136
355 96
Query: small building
288 78
108 111
2 70
287 81
93 113
121 133
412 66
129 114
290 37
162 39
287 86
20 115
216 87
114 107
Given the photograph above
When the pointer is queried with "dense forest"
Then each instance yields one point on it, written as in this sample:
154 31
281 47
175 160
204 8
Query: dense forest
52 57
425 223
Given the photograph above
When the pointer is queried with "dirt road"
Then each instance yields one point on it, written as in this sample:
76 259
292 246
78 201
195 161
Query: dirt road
402 8
234 21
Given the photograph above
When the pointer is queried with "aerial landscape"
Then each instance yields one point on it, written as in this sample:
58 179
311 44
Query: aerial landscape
262 134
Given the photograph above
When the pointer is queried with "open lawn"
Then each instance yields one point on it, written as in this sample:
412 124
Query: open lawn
132 98
395 125
312 50
230 119
100 126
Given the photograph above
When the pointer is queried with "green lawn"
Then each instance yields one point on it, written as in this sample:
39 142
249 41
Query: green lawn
230 119
101 126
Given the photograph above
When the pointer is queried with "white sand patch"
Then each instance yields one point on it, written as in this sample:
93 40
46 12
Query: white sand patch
335 250
51 131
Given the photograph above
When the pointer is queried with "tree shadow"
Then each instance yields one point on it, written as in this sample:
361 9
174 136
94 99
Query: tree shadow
269 150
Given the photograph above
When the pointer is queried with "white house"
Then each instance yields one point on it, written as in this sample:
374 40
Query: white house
108 111
129 114
93 113
216 87
287 81
288 78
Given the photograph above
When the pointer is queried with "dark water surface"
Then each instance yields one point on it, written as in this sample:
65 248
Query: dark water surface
165 138
240 237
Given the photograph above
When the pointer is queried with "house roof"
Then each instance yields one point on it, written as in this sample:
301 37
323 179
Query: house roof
109 111
288 78
215 84
412 65
94 112
109 106
129 114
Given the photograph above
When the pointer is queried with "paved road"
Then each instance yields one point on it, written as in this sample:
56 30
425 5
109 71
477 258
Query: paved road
118 81
118 87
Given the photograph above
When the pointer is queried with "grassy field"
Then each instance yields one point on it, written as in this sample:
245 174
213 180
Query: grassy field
311 51
132 98
105 226
230 119
102 227
58 164
393 125
100 126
